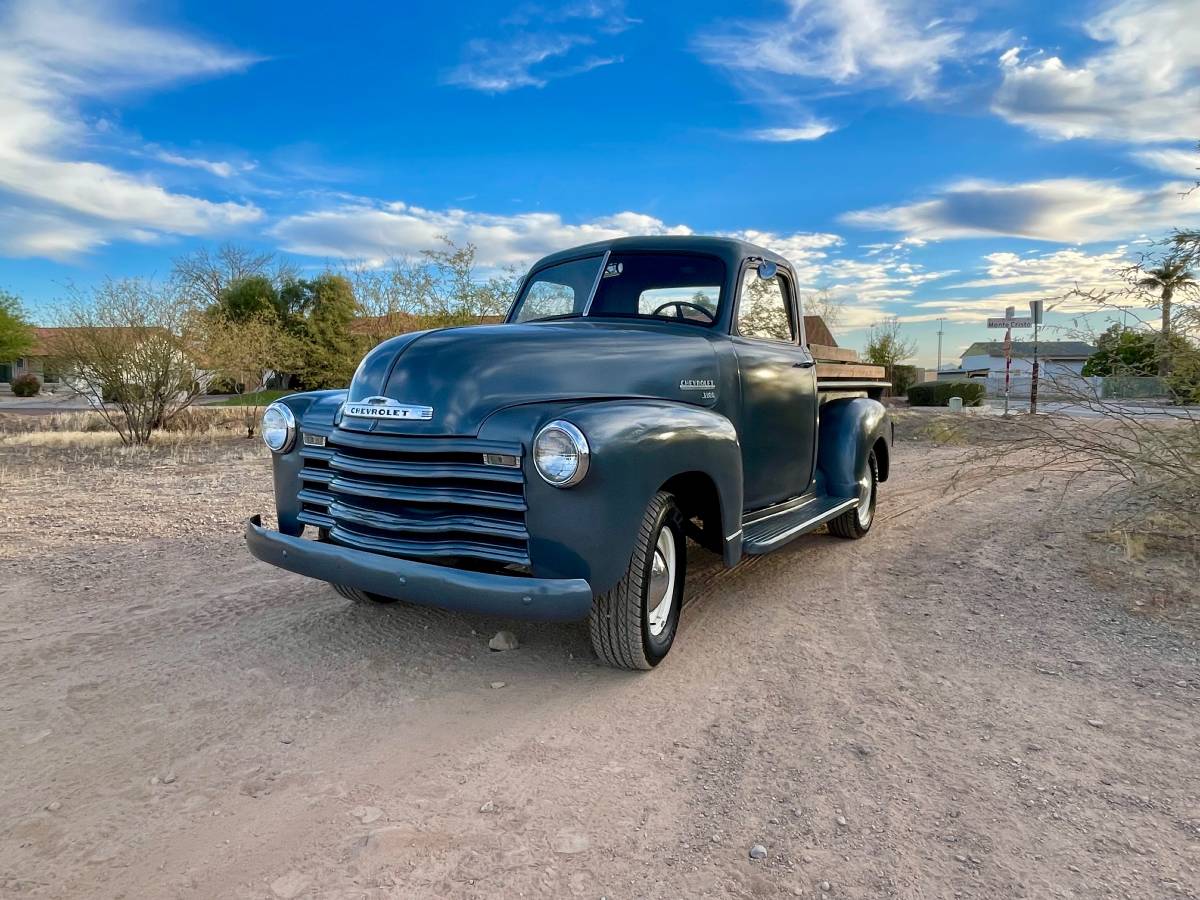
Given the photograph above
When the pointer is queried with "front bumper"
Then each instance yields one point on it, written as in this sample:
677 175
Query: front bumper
550 599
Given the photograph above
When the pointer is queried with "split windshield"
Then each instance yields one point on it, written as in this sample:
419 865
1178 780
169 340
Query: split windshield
665 286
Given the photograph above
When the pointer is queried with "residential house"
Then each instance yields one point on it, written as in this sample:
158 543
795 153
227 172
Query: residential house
38 360
1055 358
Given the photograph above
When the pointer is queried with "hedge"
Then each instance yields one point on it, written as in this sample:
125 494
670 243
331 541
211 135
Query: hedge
938 393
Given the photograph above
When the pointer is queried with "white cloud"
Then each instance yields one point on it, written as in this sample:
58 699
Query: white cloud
864 43
1171 160
220 168
520 59
375 233
809 131
1065 210
1056 272
1060 277
55 56
1143 87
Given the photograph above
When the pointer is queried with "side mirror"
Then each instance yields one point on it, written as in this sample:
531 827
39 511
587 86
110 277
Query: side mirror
767 270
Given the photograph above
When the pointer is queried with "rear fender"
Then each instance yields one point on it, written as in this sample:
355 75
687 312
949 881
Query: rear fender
588 531
849 428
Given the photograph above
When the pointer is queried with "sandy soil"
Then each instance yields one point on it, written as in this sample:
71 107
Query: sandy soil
975 701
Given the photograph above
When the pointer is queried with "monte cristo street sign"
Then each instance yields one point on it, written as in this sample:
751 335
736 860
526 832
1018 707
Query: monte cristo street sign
1010 322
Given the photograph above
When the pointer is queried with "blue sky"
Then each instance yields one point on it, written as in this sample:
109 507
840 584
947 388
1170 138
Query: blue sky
914 158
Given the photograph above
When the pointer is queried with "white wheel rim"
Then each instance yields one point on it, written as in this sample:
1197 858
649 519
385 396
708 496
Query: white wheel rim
661 592
866 488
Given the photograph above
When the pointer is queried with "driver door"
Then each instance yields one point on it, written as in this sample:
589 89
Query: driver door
778 417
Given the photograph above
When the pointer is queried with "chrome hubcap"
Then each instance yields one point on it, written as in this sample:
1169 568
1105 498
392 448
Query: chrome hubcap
662 582
866 490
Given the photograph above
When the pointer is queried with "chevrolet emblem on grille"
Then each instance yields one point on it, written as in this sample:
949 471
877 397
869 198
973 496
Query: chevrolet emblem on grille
386 408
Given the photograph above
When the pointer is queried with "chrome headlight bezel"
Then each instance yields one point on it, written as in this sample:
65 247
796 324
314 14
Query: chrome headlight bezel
563 430
287 425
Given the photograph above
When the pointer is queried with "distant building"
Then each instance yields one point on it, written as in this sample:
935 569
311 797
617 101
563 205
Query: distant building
1055 358
36 361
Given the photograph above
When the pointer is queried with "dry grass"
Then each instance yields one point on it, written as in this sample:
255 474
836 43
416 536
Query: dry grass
83 440
87 429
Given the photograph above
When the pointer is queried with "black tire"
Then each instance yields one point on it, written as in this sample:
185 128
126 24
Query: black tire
354 595
855 523
620 623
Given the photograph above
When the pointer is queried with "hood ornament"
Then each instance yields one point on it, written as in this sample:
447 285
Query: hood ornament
385 408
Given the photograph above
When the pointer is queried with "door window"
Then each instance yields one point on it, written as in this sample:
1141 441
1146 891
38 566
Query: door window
764 311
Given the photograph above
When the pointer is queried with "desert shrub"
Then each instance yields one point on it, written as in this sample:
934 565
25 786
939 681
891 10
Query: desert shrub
205 420
938 393
1184 380
26 385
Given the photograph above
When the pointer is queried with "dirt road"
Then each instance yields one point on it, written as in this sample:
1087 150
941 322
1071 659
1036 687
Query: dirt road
968 703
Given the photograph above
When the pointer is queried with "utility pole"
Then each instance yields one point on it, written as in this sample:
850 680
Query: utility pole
941 322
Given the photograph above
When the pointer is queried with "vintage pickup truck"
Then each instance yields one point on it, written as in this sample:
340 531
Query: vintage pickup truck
640 392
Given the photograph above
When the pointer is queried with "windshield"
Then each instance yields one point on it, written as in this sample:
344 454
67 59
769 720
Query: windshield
558 291
665 286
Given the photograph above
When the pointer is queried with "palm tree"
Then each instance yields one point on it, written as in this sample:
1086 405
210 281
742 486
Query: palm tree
1168 277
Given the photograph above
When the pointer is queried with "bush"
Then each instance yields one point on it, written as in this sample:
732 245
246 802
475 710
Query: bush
938 393
26 385
903 377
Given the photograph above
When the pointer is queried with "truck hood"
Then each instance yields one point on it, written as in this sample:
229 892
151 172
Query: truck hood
466 374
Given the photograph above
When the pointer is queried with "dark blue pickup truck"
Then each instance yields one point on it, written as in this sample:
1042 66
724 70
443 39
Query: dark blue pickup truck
641 391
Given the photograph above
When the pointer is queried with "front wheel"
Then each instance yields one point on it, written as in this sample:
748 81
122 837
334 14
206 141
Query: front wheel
354 595
634 624
855 523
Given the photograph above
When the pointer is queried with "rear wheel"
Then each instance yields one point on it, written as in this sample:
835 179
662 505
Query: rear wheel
633 625
354 595
855 523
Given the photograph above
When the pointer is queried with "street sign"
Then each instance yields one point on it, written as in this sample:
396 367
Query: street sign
1010 323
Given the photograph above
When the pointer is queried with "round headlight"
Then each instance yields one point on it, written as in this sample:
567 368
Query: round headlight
278 427
560 454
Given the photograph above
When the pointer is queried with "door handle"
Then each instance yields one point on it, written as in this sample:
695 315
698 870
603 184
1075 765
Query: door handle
804 364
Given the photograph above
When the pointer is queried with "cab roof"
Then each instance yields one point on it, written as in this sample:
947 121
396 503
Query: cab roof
731 250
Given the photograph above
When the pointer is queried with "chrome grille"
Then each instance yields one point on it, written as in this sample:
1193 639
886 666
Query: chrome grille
418 498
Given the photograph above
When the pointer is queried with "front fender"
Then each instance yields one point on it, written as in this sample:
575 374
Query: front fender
849 428
588 531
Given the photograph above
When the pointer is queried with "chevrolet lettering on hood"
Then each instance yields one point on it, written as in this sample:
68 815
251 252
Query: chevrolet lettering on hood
386 408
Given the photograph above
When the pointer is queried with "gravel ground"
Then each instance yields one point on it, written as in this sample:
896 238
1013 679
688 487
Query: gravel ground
978 700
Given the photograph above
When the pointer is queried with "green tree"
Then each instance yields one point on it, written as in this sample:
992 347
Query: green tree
16 335
332 352
887 347
201 276
248 298
1124 351
1167 278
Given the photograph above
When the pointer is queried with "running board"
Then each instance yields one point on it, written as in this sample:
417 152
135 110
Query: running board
772 532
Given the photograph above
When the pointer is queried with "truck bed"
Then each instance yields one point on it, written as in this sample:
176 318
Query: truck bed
840 373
